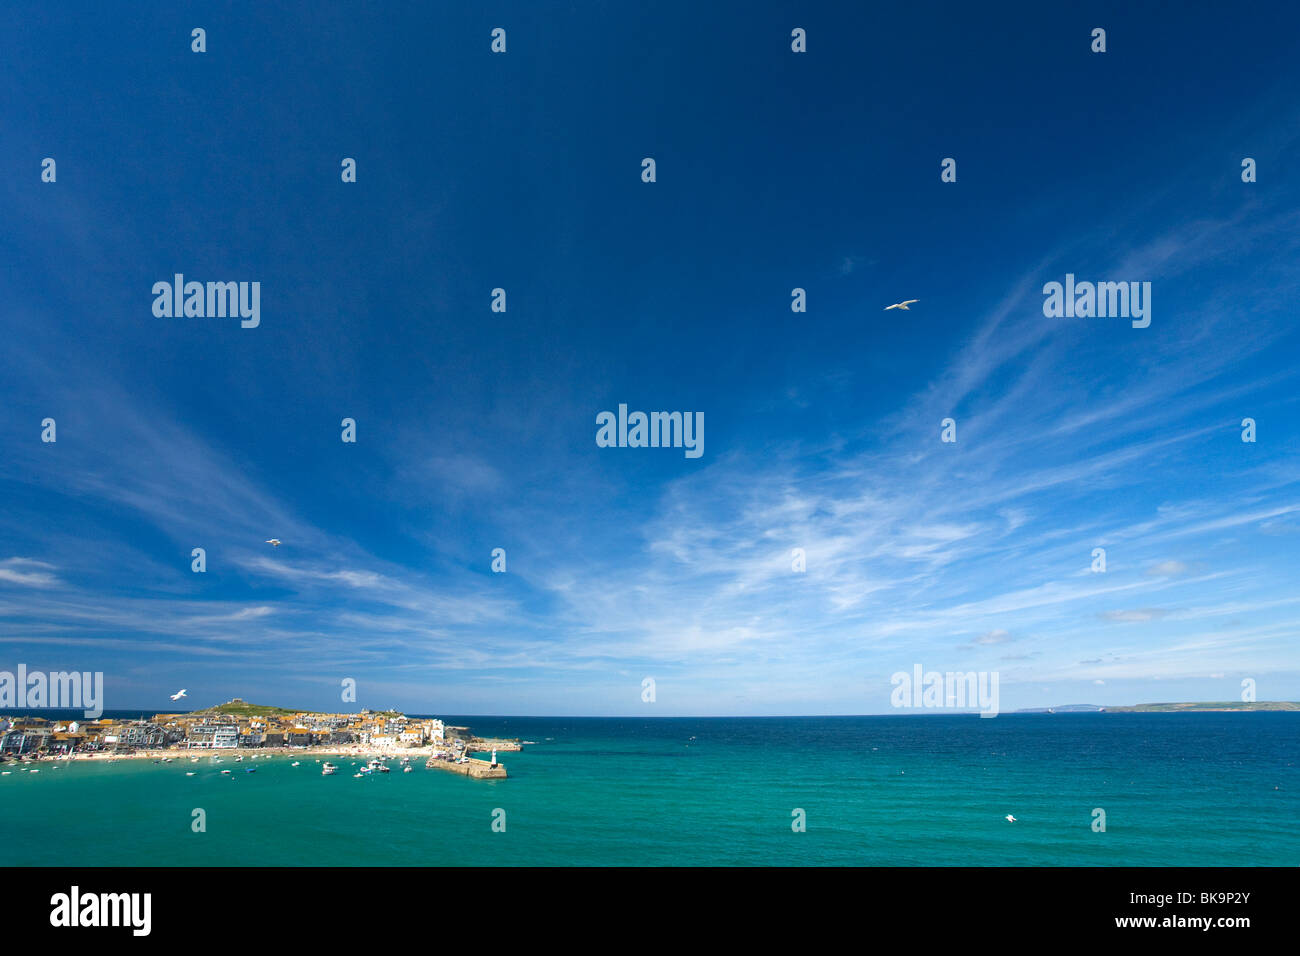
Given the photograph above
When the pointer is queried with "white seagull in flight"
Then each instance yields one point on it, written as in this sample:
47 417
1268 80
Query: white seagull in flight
902 305
179 694
273 542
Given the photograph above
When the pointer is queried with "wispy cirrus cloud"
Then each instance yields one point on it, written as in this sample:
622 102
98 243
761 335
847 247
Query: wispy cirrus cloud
27 572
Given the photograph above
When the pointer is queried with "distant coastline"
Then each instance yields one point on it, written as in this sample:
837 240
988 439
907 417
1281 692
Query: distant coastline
1179 707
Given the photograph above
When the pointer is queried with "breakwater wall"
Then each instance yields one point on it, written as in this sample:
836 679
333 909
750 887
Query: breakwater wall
480 769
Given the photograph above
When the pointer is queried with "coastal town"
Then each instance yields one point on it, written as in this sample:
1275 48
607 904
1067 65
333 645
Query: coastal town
235 730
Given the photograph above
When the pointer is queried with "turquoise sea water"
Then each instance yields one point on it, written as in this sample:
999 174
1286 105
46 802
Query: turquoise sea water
1177 789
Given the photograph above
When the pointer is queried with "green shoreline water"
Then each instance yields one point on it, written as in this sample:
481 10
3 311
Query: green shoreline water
1177 789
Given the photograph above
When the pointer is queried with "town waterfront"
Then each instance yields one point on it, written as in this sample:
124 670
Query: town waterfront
1204 789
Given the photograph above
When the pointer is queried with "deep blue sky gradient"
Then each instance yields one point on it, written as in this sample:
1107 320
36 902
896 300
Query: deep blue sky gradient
476 429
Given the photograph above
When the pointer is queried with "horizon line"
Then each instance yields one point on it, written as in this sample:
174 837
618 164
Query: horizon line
901 712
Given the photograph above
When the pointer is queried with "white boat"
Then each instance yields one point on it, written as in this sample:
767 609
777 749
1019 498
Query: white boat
327 769
294 764
189 773
407 768
225 771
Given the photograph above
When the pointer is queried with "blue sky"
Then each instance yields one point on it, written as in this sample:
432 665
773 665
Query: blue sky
476 430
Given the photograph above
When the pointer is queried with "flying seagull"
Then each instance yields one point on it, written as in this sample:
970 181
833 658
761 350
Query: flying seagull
179 694
901 305
273 542
1010 818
